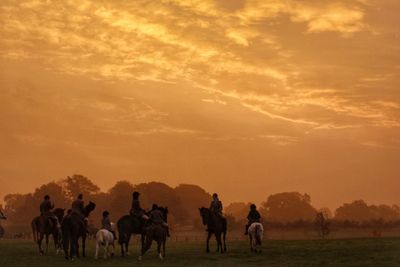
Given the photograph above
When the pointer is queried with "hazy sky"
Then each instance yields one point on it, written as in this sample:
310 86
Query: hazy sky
242 97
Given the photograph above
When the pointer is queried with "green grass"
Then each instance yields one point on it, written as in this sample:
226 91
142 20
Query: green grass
346 252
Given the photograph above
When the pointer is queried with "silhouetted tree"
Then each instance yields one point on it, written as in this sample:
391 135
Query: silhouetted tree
321 224
55 191
239 210
288 207
79 184
191 198
163 195
359 211
120 198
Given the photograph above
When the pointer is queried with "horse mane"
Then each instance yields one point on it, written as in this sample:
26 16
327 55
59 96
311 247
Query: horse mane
89 208
164 211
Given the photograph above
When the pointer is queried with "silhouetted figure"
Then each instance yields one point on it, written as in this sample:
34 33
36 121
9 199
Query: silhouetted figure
46 208
157 217
216 205
106 223
78 206
254 216
136 209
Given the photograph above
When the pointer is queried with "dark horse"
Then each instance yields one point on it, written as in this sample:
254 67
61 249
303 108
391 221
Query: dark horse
73 227
158 233
44 227
216 225
127 226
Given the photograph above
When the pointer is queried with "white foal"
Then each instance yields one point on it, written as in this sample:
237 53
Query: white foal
105 239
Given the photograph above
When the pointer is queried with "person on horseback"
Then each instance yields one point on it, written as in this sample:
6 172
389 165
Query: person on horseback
252 217
106 223
46 211
157 218
78 208
216 205
136 209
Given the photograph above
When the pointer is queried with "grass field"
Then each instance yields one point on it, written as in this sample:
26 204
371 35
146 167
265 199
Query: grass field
345 252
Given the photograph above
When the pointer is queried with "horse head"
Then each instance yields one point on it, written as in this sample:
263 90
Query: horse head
59 212
205 215
89 208
164 212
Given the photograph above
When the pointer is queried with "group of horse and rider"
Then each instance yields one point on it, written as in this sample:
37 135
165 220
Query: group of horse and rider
152 225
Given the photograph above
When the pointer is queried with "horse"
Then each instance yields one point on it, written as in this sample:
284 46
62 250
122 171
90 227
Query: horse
158 233
44 227
127 226
73 227
216 225
256 231
105 239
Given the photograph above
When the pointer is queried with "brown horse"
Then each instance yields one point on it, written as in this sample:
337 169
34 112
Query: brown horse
74 227
158 233
44 227
216 225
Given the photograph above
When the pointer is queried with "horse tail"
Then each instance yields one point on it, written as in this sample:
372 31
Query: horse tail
100 237
224 225
258 233
122 235
34 230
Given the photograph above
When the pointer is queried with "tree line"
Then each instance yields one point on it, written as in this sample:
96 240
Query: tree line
288 209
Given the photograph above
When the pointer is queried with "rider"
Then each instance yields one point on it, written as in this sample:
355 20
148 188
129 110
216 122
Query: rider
78 207
45 210
157 218
254 216
216 205
136 209
106 223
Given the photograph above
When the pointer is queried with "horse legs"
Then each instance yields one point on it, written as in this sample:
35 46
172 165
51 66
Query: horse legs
96 254
219 243
127 244
224 237
106 250
84 246
122 249
39 242
159 250
163 244
112 249
74 246
251 242
47 243
145 247
208 242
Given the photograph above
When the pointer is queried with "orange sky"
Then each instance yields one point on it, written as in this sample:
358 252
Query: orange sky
242 97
